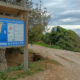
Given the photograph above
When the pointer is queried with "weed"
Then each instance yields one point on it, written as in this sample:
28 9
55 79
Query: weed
52 61
30 72
3 76
34 67
20 67
12 79
46 45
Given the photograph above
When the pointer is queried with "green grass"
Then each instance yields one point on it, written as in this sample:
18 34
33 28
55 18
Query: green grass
34 67
52 61
18 72
46 45
3 76
30 51
20 67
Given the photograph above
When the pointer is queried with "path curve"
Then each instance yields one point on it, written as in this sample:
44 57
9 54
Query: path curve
69 59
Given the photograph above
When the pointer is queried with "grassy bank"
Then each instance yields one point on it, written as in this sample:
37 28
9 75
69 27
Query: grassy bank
46 45
34 67
54 46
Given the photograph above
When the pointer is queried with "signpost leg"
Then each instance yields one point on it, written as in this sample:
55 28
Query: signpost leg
3 62
26 43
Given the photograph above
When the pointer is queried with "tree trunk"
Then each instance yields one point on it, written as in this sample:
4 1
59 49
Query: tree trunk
3 62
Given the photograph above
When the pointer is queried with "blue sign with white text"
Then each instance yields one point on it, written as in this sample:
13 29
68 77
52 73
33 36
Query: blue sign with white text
12 32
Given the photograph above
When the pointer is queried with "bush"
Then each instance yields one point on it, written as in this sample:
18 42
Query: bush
3 76
63 39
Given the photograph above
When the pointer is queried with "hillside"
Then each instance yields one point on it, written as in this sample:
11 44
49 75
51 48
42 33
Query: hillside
64 39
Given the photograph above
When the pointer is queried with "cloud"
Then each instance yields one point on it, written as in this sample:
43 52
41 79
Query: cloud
70 12
49 5
71 26
66 20
63 12
49 28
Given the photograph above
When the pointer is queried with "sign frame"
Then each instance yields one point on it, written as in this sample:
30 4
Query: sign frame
24 16
20 13
14 19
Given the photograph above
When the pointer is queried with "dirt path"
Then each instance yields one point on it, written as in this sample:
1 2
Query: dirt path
70 60
55 73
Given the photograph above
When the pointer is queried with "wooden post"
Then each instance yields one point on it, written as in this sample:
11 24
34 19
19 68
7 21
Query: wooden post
26 42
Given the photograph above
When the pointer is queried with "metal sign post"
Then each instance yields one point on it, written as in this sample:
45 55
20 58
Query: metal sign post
26 42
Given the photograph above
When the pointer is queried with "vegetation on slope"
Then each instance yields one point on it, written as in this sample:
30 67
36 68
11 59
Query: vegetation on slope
64 39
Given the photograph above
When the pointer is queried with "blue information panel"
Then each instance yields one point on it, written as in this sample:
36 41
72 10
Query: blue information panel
12 32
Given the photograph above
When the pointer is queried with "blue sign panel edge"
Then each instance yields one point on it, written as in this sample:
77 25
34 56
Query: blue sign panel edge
4 40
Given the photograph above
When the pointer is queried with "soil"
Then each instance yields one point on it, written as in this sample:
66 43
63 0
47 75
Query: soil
15 57
54 72
69 70
70 60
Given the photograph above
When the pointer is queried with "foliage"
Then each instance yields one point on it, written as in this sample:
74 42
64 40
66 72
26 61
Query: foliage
52 61
3 76
38 20
35 34
65 39
34 67
46 45
20 67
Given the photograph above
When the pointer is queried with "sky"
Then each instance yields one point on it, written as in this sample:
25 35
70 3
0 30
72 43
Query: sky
63 12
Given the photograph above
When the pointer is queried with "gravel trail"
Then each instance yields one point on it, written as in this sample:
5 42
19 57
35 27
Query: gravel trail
70 60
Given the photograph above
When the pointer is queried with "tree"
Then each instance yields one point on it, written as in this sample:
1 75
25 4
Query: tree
38 20
65 39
